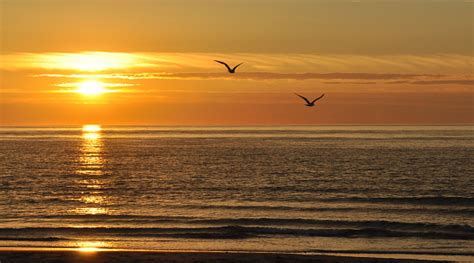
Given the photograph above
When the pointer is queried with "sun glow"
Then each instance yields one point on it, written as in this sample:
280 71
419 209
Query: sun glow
91 87
89 61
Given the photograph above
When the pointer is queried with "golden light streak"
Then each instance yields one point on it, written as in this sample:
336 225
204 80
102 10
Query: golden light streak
91 151
91 128
92 87
90 246
91 163
88 249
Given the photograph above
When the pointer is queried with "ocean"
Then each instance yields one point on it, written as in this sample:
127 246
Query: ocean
302 189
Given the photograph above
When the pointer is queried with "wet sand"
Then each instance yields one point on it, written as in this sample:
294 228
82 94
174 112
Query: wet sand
175 257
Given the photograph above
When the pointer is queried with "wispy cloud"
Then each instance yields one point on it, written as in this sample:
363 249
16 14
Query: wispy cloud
75 84
440 69
328 78
83 61
246 76
435 82
351 82
204 62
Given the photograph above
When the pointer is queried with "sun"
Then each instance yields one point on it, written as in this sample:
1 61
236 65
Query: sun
91 88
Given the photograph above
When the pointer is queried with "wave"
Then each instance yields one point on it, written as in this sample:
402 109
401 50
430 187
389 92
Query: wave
45 239
236 228
441 205
422 200
231 232
263 221
381 224
399 252
395 201
447 201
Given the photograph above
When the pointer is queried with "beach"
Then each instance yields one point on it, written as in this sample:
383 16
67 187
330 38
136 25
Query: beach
184 257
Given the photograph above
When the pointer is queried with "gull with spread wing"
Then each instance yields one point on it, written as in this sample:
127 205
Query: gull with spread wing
309 103
231 70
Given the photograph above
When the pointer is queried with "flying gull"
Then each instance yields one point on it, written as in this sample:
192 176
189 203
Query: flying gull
309 103
231 70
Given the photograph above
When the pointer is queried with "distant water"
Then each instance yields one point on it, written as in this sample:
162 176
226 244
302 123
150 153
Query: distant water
362 189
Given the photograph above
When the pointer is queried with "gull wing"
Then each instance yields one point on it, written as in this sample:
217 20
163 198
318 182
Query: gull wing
237 66
318 98
305 99
223 63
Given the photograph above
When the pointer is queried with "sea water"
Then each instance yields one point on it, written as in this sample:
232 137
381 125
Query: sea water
321 189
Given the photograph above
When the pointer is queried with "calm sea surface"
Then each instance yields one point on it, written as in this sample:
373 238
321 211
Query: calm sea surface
360 189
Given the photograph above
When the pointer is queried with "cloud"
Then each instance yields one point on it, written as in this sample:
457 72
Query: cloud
328 78
436 82
75 84
247 76
351 82
436 69
204 62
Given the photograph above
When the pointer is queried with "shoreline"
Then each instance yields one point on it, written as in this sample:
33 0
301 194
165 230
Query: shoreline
59 255
44 254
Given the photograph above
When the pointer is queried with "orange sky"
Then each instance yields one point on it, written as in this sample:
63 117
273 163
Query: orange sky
151 62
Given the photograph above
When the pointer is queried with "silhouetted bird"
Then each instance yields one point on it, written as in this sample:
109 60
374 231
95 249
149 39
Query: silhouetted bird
231 70
309 103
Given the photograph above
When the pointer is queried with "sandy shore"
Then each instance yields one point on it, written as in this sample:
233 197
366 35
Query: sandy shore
175 257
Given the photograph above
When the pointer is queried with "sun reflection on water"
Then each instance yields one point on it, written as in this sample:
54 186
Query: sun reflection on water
91 163
91 211
91 128
91 160
89 246
91 136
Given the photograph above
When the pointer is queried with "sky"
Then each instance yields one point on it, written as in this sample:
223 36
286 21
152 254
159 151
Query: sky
144 62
